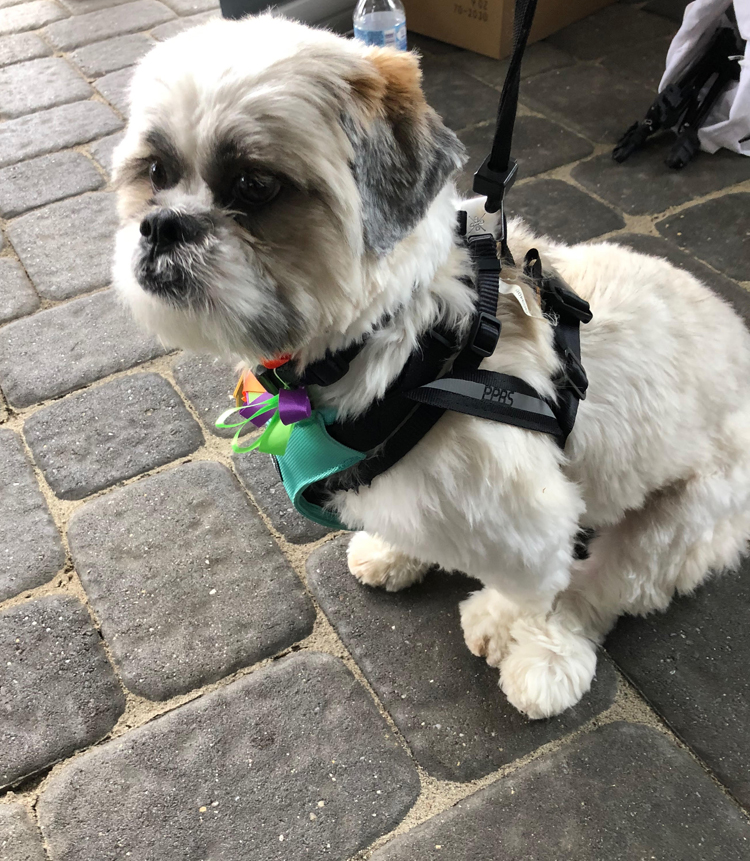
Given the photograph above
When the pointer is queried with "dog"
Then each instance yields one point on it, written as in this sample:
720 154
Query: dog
283 190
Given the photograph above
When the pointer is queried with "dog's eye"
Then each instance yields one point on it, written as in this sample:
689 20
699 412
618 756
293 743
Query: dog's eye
255 189
158 175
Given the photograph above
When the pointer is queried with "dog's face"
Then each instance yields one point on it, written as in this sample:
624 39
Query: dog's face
265 166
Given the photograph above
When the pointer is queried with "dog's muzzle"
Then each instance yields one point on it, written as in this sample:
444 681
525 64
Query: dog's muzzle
169 248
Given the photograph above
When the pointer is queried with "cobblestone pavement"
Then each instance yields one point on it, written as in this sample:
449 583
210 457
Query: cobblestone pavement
187 670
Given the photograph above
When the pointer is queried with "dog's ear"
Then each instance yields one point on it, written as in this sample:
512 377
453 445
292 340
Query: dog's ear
403 153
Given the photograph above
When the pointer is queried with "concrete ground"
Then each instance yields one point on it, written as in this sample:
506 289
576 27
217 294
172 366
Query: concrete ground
187 670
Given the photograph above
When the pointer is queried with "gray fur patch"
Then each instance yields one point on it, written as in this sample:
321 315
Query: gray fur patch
399 171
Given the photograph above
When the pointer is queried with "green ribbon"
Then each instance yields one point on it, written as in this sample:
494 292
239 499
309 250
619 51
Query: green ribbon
274 438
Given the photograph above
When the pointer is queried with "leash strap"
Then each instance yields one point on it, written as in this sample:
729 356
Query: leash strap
498 171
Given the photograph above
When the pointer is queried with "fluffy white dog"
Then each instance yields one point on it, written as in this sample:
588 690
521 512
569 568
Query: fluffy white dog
283 190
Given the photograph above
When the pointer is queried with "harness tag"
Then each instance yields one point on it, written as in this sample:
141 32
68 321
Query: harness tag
515 290
478 220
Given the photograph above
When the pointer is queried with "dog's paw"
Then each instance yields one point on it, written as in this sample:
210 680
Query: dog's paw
548 668
375 563
486 619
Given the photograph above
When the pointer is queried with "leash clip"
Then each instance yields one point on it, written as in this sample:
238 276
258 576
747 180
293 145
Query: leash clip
493 184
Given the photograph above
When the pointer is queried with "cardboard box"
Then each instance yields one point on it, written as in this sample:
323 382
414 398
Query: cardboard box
486 26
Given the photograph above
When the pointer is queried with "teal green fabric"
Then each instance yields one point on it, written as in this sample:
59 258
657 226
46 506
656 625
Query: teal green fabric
312 455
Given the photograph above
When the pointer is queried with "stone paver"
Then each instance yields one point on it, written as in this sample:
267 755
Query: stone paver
173 28
39 84
58 265
539 57
460 99
115 87
112 54
59 692
691 664
29 16
92 440
622 793
21 47
17 296
19 836
186 545
81 7
644 185
538 145
30 549
657 247
644 63
240 774
445 701
208 384
600 103
102 150
191 7
717 231
63 349
562 211
118 21
672 9
612 29
258 473
56 129
45 180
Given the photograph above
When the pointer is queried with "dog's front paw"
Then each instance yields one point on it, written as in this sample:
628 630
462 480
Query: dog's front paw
486 618
376 563
548 668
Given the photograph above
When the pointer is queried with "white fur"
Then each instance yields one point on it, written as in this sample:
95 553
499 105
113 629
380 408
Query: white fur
659 459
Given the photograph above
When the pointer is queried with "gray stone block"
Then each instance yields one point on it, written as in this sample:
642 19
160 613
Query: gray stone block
106 23
672 9
599 103
460 99
622 793
717 231
59 267
60 693
644 63
17 296
112 54
92 440
562 211
81 7
39 84
738 298
103 149
58 128
539 57
203 589
191 7
22 47
20 839
446 702
208 384
258 473
538 145
31 549
172 28
644 185
290 763
29 16
691 664
115 88
45 180
65 348
611 29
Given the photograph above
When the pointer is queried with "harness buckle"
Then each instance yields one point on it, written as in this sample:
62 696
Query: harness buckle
574 375
493 184
485 333
563 301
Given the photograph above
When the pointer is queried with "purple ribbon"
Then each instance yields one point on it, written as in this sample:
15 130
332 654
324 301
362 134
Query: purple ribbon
294 406
248 411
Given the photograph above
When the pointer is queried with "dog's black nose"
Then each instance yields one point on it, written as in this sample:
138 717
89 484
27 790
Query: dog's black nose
165 228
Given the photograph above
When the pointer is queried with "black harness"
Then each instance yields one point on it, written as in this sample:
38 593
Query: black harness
442 374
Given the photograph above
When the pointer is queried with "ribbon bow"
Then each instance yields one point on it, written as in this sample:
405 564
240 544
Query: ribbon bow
279 413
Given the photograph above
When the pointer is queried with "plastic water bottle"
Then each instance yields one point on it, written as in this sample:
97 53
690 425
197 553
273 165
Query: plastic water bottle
381 22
